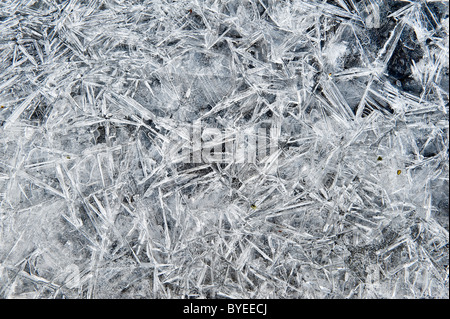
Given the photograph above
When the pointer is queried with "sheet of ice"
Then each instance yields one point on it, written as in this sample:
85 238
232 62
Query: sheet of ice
97 103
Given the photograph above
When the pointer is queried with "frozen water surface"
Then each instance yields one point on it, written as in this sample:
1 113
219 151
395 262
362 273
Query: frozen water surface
97 101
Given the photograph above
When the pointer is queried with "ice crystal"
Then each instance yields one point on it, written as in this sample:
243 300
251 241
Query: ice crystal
98 100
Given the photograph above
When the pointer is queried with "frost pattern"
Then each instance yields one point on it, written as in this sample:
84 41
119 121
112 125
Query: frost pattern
95 203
